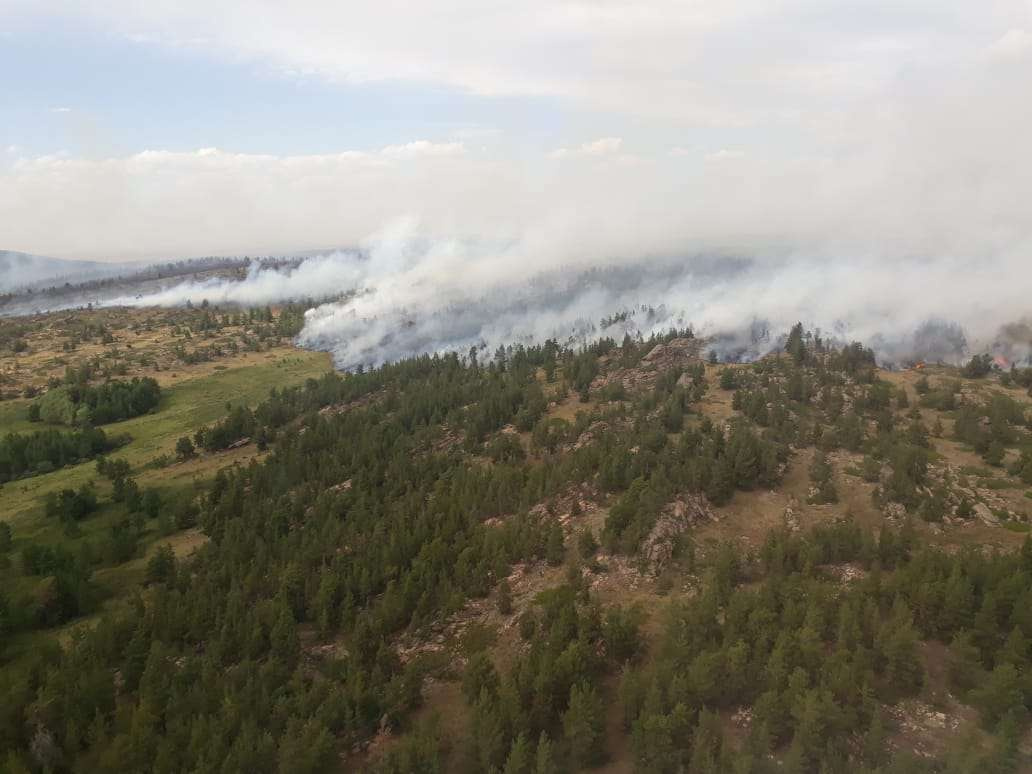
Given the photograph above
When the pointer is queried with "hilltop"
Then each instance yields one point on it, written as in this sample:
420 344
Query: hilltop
625 556
19 271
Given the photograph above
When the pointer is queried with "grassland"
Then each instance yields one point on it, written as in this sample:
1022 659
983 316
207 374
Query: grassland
193 397
184 407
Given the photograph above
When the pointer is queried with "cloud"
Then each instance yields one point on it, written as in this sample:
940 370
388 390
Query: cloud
167 204
708 63
423 148
877 178
725 154
1014 44
603 146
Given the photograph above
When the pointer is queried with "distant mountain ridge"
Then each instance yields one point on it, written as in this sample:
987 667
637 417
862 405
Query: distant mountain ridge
24 270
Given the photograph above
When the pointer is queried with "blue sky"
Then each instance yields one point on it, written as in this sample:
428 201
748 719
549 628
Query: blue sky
81 91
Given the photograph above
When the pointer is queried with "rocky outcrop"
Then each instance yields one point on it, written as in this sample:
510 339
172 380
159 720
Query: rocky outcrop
985 514
676 353
676 518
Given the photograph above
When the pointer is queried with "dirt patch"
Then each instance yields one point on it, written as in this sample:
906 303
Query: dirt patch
183 543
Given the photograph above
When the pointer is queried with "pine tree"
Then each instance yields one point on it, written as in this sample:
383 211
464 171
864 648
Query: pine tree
583 726
722 483
504 600
796 346
1015 650
283 637
555 550
999 694
544 760
874 752
519 760
488 736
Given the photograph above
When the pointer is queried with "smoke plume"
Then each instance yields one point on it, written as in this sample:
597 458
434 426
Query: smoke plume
405 293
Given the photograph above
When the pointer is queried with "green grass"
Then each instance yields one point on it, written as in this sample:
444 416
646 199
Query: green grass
971 470
184 407
998 483
14 417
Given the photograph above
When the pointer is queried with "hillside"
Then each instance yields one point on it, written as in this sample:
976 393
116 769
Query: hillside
22 270
625 557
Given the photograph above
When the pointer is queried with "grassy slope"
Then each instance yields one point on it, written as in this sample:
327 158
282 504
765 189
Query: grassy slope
184 407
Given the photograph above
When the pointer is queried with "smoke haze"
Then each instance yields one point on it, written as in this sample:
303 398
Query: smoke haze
407 293
865 170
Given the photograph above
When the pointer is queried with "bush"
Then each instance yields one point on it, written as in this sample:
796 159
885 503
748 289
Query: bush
161 568
586 544
528 625
184 448
504 598
978 366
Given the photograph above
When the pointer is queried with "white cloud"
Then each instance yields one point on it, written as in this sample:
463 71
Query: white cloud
419 148
707 63
725 154
1015 43
603 146
61 110
883 128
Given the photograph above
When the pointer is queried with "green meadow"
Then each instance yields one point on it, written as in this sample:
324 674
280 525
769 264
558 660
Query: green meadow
184 407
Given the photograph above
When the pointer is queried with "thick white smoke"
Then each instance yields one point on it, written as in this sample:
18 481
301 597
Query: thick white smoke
315 277
905 225
408 293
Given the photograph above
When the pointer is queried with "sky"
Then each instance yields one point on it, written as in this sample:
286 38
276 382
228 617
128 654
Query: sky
473 172
171 129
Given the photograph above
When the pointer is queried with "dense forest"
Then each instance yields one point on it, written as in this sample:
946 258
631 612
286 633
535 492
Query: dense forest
46 450
392 499
80 403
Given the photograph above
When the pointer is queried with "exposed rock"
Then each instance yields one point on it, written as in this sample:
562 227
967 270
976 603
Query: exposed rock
588 436
743 717
676 353
575 499
895 512
676 518
790 517
847 573
448 439
987 517
923 727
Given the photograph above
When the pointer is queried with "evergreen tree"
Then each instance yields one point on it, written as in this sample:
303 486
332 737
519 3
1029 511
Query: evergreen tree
519 760
544 761
584 726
